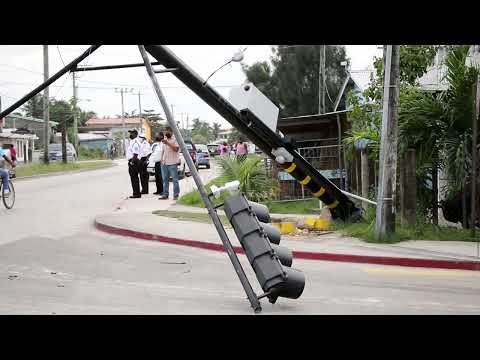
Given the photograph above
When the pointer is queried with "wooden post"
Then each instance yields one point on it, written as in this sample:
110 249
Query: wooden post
365 175
408 189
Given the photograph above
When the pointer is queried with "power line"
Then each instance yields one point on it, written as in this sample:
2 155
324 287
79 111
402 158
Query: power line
60 54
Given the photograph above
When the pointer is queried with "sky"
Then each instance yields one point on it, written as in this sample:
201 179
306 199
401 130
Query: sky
21 69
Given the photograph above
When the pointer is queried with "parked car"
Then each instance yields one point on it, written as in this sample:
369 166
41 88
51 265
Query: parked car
55 152
213 149
203 155
183 169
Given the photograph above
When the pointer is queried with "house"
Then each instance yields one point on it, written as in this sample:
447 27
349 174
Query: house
102 141
23 140
115 126
224 134
29 124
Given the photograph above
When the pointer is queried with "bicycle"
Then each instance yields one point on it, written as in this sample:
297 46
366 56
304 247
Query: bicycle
8 201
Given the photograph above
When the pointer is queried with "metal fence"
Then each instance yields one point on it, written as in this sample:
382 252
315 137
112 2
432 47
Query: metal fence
323 158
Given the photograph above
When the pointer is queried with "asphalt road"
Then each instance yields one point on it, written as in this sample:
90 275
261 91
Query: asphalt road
52 261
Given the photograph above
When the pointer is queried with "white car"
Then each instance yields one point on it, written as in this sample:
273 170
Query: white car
183 169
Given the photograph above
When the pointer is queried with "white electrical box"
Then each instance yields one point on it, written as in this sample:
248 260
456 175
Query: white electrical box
247 96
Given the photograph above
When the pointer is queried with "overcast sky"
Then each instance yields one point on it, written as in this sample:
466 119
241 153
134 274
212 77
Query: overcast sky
21 69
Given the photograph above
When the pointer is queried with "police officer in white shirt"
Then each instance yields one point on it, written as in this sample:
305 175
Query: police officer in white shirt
145 152
133 157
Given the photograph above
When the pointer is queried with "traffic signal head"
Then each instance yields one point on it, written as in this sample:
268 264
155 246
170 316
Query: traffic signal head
270 262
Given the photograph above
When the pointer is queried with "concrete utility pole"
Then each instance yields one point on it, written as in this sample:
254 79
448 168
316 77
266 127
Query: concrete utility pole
385 215
122 91
139 104
46 107
321 81
75 119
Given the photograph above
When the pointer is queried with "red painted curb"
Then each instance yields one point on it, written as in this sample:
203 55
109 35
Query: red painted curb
306 255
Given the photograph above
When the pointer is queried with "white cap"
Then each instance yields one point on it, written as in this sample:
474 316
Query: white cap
142 135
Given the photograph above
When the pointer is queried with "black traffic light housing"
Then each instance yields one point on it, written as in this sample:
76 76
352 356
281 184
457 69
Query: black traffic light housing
270 262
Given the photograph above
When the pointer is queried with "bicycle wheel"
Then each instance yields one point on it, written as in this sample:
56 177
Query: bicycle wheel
10 200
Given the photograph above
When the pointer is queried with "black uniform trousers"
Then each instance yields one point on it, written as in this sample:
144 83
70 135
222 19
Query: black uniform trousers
144 176
158 177
133 167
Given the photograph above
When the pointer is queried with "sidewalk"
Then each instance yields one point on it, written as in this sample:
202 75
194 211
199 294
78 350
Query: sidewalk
134 218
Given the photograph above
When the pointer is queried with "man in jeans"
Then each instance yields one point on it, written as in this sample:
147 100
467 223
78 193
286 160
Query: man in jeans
170 159
4 173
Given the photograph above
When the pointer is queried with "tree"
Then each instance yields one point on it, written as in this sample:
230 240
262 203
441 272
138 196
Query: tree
155 120
291 81
235 136
199 139
216 130
34 107
203 129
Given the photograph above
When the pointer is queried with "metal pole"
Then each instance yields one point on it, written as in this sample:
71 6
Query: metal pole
48 82
46 109
255 303
123 124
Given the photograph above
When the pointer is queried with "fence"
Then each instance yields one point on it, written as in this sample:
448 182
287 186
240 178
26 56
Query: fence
324 158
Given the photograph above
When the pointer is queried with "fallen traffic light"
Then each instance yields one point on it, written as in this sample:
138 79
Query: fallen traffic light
260 241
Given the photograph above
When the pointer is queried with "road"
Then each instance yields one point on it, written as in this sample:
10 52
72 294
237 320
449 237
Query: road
53 261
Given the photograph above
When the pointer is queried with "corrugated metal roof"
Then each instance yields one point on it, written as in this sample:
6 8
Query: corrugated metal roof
90 137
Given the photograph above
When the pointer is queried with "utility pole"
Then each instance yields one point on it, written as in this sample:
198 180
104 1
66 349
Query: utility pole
139 104
321 81
1 120
385 215
122 91
75 120
46 108
476 110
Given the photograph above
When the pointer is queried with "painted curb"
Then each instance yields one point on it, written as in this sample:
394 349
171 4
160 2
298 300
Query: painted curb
305 255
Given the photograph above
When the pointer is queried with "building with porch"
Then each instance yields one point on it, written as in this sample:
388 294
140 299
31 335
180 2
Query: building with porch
115 126
24 143
29 125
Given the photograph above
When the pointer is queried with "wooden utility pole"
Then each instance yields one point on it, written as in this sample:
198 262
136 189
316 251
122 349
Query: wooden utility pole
75 119
46 107
385 215
321 81
475 155
64 139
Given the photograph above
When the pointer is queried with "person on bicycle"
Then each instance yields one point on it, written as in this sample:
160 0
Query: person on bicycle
4 175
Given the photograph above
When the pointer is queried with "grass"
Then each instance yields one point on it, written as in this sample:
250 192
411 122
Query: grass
288 207
293 207
40 168
364 230
180 215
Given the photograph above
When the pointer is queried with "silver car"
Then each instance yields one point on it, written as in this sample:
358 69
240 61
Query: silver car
55 152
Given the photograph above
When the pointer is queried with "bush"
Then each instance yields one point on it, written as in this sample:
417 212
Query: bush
91 154
254 181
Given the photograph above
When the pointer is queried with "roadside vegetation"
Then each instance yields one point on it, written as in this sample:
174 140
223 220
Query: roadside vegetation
40 168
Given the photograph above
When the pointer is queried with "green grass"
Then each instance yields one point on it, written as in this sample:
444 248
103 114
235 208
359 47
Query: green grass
40 168
180 215
290 207
293 207
364 230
